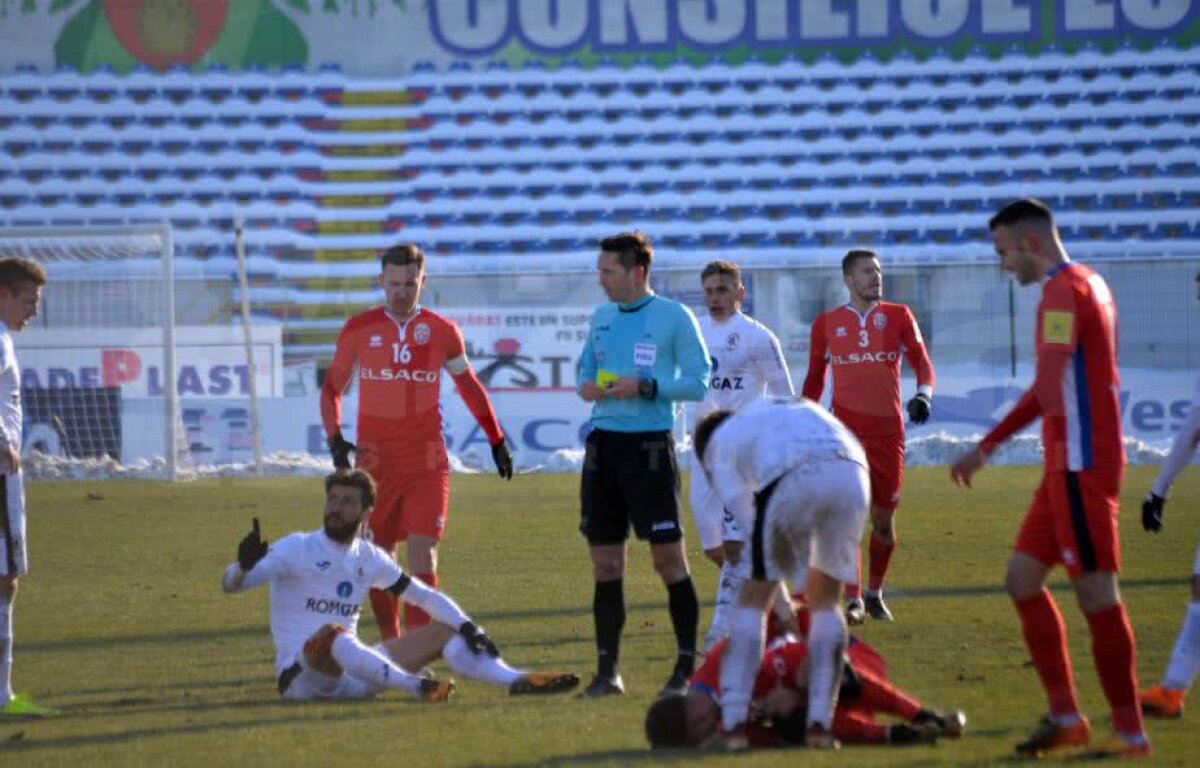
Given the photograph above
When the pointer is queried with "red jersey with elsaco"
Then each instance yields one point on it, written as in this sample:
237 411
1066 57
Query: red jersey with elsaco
399 368
865 350
1076 387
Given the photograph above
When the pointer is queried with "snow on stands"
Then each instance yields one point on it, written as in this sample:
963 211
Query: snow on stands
932 450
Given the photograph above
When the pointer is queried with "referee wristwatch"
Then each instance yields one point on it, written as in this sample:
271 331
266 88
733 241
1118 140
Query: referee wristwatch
647 388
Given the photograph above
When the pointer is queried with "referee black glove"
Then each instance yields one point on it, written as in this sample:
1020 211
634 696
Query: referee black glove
503 458
251 549
339 449
1152 512
478 640
919 408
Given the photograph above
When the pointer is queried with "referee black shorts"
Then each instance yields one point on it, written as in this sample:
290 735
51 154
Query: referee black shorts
630 478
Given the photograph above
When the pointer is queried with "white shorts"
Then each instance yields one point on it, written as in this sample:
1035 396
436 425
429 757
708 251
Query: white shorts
311 684
13 556
713 523
814 518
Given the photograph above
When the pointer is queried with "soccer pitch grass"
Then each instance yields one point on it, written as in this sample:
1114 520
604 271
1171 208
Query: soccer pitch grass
123 625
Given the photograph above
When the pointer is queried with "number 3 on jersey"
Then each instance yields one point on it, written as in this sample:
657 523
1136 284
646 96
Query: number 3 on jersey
401 354
863 339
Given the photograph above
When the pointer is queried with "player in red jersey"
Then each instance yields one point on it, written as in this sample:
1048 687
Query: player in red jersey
1073 517
777 707
863 341
400 351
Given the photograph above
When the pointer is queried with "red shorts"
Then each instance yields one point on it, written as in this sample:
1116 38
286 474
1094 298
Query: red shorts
885 462
1073 521
409 505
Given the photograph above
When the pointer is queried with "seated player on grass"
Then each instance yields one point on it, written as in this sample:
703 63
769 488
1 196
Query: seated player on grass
778 704
319 580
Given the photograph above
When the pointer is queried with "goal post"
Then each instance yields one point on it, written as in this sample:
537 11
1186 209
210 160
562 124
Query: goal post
110 290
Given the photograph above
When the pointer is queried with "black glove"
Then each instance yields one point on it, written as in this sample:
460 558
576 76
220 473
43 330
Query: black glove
252 549
918 409
1152 512
477 639
503 458
339 449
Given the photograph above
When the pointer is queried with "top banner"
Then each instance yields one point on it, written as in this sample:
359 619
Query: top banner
387 38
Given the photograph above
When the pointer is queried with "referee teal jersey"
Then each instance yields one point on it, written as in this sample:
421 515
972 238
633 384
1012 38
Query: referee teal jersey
652 337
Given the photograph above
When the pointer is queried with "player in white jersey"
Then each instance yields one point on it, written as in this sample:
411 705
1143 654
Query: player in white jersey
747 363
796 478
1166 699
21 284
319 581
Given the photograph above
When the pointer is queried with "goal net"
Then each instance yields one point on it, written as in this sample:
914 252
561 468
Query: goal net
98 364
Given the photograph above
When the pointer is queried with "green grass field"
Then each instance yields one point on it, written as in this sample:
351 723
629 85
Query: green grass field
123 625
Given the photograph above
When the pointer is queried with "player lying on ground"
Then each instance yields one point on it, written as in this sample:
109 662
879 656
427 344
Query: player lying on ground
778 707
319 581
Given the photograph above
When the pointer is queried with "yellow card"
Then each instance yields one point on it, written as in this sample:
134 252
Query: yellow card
605 378
1057 327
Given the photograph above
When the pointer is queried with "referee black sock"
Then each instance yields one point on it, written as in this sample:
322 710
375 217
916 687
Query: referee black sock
608 610
685 616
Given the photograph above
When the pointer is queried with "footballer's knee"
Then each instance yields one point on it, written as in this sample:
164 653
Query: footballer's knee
1096 591
733 552
8 588
883 523
1021 580
318 650
1196 587
716 554
670 562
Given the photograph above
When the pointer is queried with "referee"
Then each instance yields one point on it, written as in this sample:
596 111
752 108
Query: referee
643 353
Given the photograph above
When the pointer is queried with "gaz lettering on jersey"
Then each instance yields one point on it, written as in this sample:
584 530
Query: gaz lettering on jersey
331 607
865 357
726 383
399 374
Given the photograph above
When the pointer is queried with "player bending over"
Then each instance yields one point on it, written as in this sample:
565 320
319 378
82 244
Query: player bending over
778 709
794 476
319 581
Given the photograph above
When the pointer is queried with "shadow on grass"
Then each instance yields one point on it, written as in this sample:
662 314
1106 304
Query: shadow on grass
582 612
620 756
124 737
185 685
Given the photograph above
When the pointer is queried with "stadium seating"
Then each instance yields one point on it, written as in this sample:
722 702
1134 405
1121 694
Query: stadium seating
760 158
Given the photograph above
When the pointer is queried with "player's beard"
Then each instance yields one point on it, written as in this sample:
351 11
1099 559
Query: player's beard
344 533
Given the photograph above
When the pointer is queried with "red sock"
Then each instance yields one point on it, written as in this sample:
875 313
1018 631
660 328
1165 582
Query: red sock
1113 652
387 613
414 617
880 558
854 591
880 695
1046 638
856 726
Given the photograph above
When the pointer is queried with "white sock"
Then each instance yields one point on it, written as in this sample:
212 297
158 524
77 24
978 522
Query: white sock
728 586
826 642
1185 658
375 669
6 652
739 665
480 666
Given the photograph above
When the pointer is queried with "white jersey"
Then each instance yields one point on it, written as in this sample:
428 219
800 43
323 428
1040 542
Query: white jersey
760 443
10 392
747 362
316 581
1181 451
